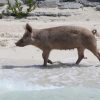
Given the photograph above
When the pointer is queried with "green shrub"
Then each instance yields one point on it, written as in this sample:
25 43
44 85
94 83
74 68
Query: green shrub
17 9
0 16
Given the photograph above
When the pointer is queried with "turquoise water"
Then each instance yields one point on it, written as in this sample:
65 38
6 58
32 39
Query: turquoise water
64 93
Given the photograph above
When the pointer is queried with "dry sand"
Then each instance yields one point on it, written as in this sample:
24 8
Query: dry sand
21 67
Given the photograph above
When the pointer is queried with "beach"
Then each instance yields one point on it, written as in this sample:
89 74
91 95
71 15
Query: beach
21 67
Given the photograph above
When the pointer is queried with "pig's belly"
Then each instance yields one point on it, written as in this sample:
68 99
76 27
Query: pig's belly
65 45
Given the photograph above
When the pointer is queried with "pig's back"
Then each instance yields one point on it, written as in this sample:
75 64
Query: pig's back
65 37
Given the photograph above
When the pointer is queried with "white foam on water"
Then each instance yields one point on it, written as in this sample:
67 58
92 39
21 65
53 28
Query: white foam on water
22 90
8 85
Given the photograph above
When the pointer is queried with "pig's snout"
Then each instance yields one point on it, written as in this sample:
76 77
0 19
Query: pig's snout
16 43
19 43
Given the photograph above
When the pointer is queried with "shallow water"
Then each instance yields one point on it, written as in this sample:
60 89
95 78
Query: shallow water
69 83
23 78
64 93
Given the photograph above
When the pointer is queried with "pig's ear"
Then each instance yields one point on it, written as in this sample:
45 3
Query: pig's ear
28 28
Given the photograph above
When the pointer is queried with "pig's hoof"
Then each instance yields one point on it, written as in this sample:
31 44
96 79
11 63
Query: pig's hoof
44 65
50 62
85 57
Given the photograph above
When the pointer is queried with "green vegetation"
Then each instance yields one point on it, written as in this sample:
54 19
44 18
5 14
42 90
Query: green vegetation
1 16
17 9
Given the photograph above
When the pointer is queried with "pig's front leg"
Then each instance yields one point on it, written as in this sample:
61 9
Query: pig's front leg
45 56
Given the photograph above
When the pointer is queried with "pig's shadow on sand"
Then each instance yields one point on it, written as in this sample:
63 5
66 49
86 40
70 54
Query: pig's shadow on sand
57 65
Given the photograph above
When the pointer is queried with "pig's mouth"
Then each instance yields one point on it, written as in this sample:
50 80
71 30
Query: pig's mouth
19 45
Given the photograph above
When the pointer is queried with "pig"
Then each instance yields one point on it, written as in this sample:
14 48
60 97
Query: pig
61 37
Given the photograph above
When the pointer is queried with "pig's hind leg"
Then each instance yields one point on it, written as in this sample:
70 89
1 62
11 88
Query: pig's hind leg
95 52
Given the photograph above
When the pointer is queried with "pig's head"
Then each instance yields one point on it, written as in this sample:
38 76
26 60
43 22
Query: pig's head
27 37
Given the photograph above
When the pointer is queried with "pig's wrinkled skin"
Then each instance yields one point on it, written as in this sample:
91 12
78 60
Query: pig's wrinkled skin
62 37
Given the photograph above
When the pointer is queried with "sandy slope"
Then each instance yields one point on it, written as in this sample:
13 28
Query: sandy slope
21 67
